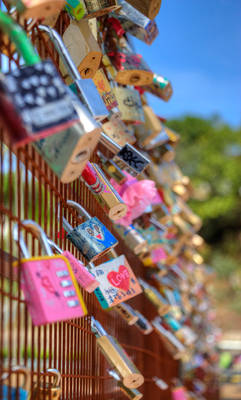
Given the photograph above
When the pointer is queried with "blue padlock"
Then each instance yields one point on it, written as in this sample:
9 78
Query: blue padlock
12 392
91 237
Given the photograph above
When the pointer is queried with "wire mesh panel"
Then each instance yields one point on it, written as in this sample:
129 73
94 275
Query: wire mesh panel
30 190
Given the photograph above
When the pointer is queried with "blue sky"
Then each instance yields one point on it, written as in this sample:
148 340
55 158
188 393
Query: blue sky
199 50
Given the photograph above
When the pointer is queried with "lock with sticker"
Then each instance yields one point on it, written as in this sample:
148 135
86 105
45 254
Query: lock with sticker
91 237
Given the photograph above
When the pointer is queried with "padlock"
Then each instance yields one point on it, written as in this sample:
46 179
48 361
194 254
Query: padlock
112 169
117 357
91 237
126 312
117 130
179 393
143 324
118 282
38 8
130 105
34 101
152 125
175 347
79 9
136 24
164 152
12 392
131 68
132 238
160 87
67 152
160 383
48 390
155 297
84 278
86 57
133 394
48 282
109 198
150 8
105 91
84 88
126 157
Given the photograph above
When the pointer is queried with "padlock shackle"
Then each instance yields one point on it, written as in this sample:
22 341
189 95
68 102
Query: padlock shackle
81 211
54 246
54 372
62 51
97 328
18 237
18 36
40 234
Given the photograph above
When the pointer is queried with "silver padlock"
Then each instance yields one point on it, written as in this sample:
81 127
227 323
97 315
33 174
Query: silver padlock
67 152
126 157
84 88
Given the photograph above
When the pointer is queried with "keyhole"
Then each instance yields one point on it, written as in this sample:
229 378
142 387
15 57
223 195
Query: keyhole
134 78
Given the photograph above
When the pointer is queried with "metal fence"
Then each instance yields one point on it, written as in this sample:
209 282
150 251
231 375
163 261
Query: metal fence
29 189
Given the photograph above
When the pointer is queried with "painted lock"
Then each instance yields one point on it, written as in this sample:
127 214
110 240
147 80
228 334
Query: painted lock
50 288
79 9
118 282
34 102
38 8
86 57
102 84
11 392
136 24
85 89
117 357
84 278
67 152
130 105
48 388
131 68
91 237
160 87
116 129
150 8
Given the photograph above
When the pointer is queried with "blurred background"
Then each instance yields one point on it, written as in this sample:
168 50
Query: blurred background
199 51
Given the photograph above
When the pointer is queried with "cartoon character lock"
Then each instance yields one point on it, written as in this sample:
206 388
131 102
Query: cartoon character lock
91 237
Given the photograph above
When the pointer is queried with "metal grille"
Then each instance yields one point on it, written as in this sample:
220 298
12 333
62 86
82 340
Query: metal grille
30 190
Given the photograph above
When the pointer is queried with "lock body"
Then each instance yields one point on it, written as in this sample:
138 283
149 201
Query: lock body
35 103
109 197
137 24
104 89
50 290
131 160
112 169
119 359
130 105
38 8
118 282
132 394
132 238
84 278
150 8
67 152
87 56
92 239
160 87
90 8
127 313
116 129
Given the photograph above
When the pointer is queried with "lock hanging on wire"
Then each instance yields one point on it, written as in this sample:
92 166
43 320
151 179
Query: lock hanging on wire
84 278
85 89
48 282
91 237
116 356
34 102
47 390
21 392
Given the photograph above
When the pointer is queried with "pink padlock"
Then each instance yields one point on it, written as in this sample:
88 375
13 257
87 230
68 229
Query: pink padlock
179 393
84 278
48 282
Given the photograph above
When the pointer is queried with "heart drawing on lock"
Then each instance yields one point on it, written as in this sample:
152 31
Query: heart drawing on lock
120 279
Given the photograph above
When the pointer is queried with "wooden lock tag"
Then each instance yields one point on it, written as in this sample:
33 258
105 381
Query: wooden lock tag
83 49
116 129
